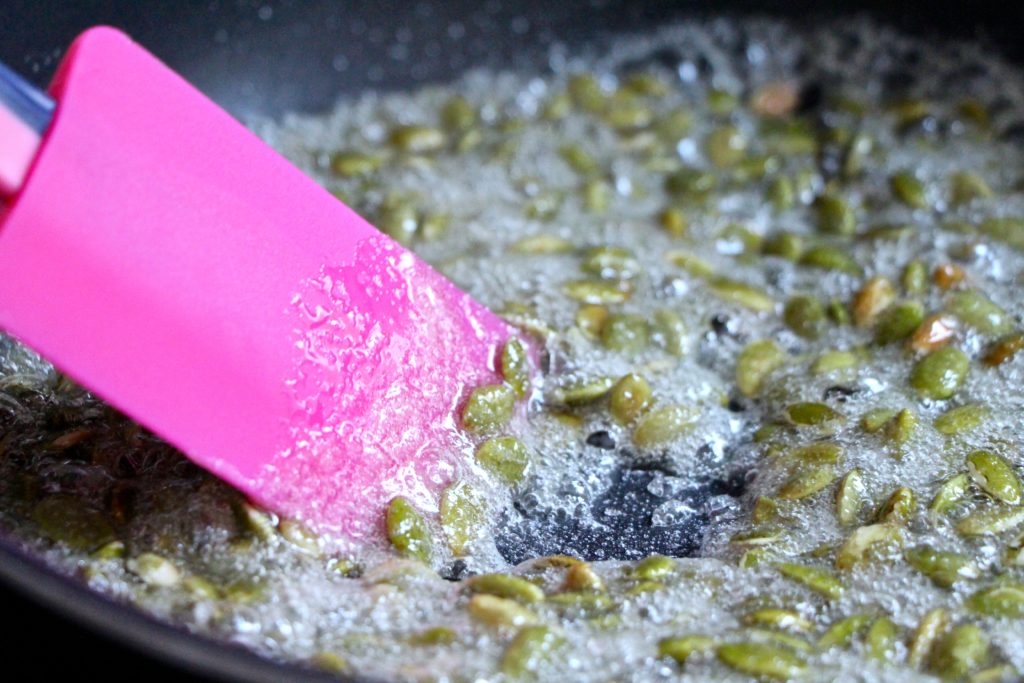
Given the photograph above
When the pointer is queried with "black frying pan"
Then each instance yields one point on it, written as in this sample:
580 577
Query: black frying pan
264 58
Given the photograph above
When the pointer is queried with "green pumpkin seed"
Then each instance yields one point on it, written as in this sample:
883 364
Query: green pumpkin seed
463 516
597 194
994 476
881 639
654 567
1001 600
505 586
690 263
785 619
965 187
579 160
757 360
762 660
626 333
582 391
582 577
900 428
928 632
899 507
898 322
611 263
805 316
498 612
330 662
528 651
938 375
417 139
830 258
541 244
943 568
662 425
990 522
682 647
821 453
834 362
915 277
949 494
835 217
515 366
457 114
820 581
629 398
398 219
875 419
811 414
596 291
962 650
438 635
725 146
962 419
908 189
674 221
300 536
842 632
355 164
807 482
850 497
505 457
408 530
690 185
1008 230
863 540
784 245
488 408
669 331
781 193
740 293
154 570
978 311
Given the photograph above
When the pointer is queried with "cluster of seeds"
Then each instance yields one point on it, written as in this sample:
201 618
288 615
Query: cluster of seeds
740 248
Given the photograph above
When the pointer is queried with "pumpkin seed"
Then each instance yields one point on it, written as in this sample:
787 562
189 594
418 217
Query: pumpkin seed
742 294
597 291
725 146
528 651
408 530
898 322
762 659
842 632
900 428
876 418
669 331
505 457
818 580
808 482
515 366
784 245
591 318
830 258
965 187
864 539
943 568
948 275
629 398
781 193
582 391
933 333
498 612
417 139
978 311
881 639
757 360
991 521
463 516
662 425
915 278
541 244
582 577
488 408
785 619
933 624
805 316
654 567
938 375
960 651
850 497
810 414
682 647
438 635
899 507
505 586
1008 230
835 217
908 189
354 164
611 263
154 570
579 159
625 332
994 476
674 221
950 493
690 263
834 361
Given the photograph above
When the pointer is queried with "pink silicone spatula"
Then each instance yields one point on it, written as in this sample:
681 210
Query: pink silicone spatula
165 258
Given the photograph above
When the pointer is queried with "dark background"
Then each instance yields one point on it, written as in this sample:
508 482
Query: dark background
269 57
